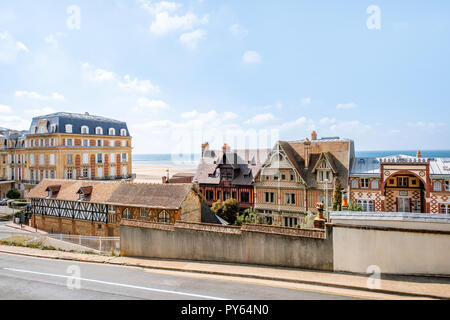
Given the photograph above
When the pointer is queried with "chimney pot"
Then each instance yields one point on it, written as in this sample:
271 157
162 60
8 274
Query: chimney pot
314 135
418 155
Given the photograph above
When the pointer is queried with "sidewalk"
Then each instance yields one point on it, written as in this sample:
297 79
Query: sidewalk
24 227
412 286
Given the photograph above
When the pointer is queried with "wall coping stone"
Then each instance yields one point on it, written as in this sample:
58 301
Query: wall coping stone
390 216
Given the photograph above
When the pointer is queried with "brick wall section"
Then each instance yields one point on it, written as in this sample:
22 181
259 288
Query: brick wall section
70 226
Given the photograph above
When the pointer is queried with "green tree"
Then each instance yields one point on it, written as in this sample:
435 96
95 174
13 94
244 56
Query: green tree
249 216
13 194
354 207
227 210
337 196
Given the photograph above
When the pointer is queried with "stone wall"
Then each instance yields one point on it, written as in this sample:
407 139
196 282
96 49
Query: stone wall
249 244
71 226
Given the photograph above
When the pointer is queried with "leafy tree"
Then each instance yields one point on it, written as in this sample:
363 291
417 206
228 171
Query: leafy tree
354 207
249 216
13 194
337 196
227 210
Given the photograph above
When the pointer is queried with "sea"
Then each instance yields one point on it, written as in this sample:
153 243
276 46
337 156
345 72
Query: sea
193 159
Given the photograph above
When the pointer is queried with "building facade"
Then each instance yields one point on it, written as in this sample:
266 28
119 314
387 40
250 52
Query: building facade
299 174
97 207
67 146
226 174
401 184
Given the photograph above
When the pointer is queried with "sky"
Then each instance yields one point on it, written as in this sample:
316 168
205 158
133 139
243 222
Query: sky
247 73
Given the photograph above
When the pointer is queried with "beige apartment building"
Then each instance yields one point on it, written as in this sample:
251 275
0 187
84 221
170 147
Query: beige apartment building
64 146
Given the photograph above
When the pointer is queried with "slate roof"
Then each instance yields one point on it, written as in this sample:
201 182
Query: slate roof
295 152
439 167
60 119
245 162
163 196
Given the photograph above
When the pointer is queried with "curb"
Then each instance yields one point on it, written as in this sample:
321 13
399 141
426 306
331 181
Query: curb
251 276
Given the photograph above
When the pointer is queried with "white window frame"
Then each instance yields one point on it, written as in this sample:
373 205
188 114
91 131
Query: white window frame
375 184
69 128
99 130
437 186
123 132
447 185
366 204
446 206
52 159
85 158
112 131
86 129
363 183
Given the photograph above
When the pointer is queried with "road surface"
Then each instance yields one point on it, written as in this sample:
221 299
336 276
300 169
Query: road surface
24 277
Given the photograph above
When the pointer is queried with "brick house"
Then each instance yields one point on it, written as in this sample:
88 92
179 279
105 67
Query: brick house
227 173
401 183
299 174
97 207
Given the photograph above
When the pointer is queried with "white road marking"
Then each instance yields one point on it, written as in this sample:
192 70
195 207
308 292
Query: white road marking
119 284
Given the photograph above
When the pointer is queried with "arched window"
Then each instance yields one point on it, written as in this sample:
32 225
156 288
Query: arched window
112 132
123 132
68 128
437 186
367 205
445 208
375 184
85 130
164 217
98 130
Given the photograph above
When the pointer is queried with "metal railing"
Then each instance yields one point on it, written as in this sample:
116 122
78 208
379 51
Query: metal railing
64 242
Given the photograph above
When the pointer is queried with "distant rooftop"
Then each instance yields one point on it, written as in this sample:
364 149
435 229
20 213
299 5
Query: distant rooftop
85 116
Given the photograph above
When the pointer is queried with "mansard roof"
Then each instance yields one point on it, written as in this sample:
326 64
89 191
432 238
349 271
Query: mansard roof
245 162
61 119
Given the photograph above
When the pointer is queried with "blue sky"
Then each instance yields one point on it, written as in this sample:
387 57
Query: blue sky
185 72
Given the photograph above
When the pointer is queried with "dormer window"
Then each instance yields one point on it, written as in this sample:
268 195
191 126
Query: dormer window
324 175
112 132
85 193
85 130
68 128
53 190
98 130
123 132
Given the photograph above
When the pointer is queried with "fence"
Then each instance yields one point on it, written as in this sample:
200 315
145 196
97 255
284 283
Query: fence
75 243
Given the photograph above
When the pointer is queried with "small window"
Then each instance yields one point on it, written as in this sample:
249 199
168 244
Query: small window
447 185
85 130
375 184
437 186
99 158
143 212
112 131
123 132
69 159
364 183
68 128
98 130
283 176
164 217
403 181
445 208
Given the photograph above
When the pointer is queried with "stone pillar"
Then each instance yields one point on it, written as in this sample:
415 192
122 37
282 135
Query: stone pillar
319 221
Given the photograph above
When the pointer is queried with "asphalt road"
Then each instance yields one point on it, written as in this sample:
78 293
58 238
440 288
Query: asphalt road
24 277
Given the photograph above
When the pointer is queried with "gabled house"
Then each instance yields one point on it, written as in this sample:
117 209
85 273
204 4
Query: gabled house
227 173
299 174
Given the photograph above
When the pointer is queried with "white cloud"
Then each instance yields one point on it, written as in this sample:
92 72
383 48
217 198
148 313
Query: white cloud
189 114
191 39
300 122
251 57
38 112
154 106
345 106
426 125
127 84
14 122
52 39
166 20
327 121
260 118
10 48
238 31
36 96
5 109
305 101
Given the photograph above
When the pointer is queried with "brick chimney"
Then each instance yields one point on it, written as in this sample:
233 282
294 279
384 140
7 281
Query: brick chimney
164 179
86 113
225 148
314 135
205 146
307 152
418 155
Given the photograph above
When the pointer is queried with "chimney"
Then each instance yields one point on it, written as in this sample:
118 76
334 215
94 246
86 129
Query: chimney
205 146
164 179
418 155
86 113
307 152
225 148
314 135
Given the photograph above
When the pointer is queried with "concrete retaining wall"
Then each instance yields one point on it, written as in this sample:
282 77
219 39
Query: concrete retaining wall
396 243
249 244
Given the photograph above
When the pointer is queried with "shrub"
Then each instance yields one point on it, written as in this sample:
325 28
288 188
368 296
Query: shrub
227 210
13 194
